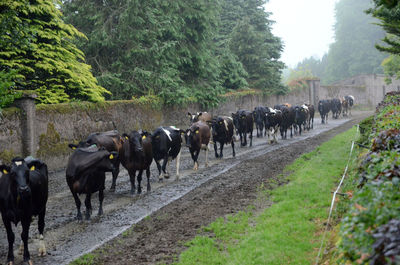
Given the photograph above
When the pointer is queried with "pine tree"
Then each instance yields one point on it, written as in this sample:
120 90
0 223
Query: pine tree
38 46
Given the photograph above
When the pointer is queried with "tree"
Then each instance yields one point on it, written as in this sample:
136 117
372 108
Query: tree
353 51
36 48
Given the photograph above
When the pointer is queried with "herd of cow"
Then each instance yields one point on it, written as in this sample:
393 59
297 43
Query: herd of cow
24 183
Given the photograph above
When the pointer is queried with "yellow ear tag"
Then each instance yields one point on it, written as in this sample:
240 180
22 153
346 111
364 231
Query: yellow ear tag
197 131
32 168
126 137
5 171
73 148
111 156
144 137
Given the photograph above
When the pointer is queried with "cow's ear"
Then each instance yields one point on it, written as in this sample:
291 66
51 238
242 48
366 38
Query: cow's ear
200 113
125 136
72 146
189 114
4 169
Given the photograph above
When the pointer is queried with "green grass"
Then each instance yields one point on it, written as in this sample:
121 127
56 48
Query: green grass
87 259
288 232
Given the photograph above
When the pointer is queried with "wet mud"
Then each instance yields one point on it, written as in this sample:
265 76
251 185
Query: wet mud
173 211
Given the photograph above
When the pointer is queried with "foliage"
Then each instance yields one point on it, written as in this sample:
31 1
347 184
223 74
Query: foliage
37 44
353 51
7 89
387 244
285 232
377 201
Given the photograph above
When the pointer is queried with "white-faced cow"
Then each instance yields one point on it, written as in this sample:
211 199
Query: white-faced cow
200 116
259 119
85 173
23 194
336 108
112 142
301 117
244 123
324 106
222 133
273 121
350 102
197 137
166 143
137 155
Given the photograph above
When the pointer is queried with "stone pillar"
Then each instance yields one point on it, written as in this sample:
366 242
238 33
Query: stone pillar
313 86
28 118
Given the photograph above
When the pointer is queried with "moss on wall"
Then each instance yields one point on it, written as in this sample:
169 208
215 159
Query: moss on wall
7 155
50 144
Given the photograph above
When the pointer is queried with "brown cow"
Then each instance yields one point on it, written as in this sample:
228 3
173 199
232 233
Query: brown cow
201 116
198 137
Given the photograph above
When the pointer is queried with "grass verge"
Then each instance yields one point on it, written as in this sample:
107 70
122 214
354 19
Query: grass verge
288 232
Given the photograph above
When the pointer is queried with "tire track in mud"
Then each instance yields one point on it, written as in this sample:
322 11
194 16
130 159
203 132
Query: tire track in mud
67 239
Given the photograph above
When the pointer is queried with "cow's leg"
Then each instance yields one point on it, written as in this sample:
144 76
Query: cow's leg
24 235
206 164
42 245
148 179
101 199
115 173
233 148
132 174
195 156
88 205
241 139
215 149
178 162
164 167
160 173
10 238
139 180
78 206
251 138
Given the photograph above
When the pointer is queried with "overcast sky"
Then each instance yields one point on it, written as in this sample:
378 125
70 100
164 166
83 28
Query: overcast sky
305 27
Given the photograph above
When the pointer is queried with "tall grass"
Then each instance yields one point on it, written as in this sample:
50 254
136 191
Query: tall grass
288 232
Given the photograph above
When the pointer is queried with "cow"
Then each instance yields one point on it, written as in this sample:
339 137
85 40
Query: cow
222 132
345 107
311 110
85 173
166 143
324 106
288 118
243 121
336 108
112 142
301 117
200 116
350 102
137 155
259 117
197 137
273 121
23 194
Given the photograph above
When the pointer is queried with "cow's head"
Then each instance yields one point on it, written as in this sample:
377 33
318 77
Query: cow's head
107 160
191 136
218 126
194 117
19 176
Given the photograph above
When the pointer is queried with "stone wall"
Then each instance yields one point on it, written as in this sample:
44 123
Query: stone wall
54 126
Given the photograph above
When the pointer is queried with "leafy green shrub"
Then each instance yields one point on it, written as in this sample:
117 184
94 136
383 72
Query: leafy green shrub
387 244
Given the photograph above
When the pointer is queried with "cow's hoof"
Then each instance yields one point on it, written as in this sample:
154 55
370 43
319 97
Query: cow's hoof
21 249
139 191
160 179
112 189
148 188
87 216
10 263
100 212
42 248
166 176
29 262
132 191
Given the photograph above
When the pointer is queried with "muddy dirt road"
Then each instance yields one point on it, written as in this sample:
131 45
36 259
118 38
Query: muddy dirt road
177 209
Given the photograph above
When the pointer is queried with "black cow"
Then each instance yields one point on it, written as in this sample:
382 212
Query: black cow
23 194
137 154
222 132
350 102
243 121
301 117
311 110
198 137
288 118
324 106
166 143
85 173
273 121
112 142
259 117
336 108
